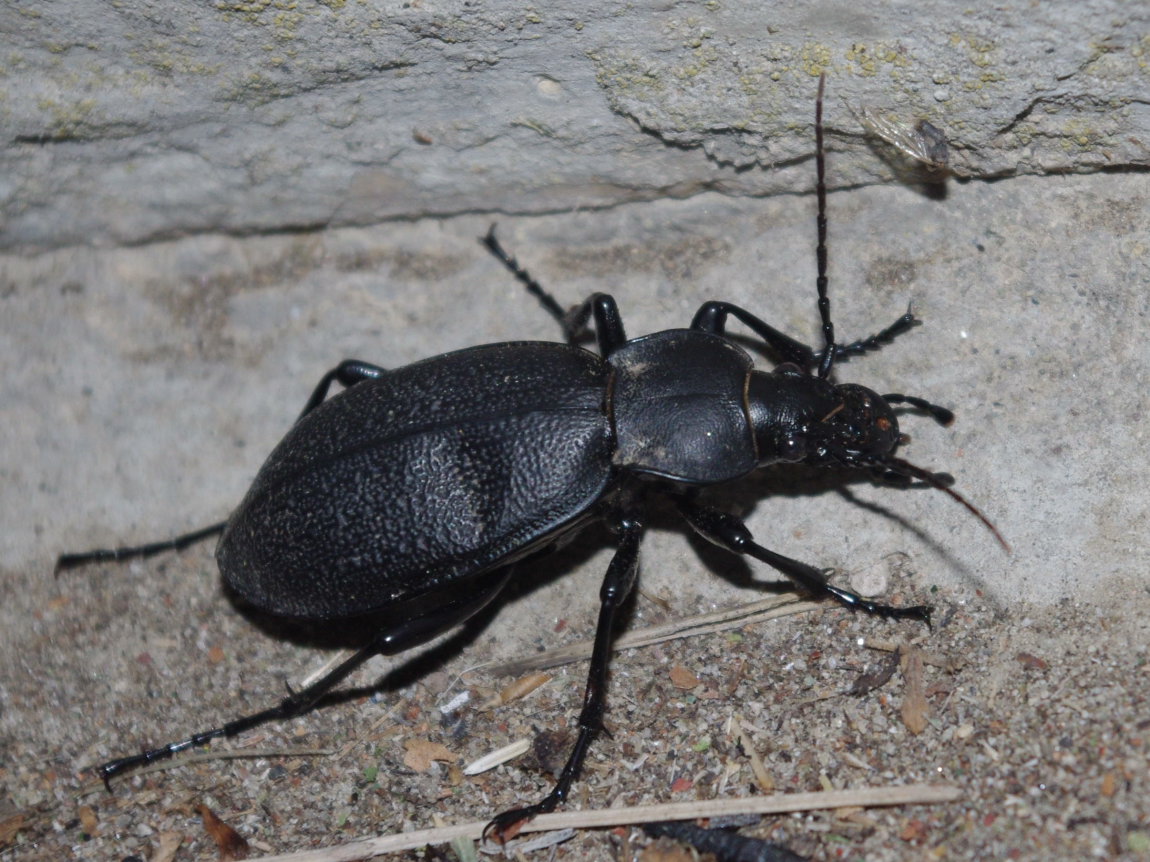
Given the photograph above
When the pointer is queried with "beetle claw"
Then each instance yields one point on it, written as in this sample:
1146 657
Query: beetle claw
503 827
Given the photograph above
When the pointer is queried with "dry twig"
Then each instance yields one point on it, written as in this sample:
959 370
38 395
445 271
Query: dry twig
754 612
915 794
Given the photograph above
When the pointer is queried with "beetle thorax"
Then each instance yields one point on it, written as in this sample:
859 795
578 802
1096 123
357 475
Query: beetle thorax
678 407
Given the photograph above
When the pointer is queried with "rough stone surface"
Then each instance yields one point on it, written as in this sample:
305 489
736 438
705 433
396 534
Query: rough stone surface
149 120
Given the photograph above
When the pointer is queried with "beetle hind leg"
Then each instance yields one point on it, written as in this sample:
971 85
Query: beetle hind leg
347 373
419 629
135 552
617 585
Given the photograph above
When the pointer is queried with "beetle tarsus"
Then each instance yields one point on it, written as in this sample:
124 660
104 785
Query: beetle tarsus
879 340
133 552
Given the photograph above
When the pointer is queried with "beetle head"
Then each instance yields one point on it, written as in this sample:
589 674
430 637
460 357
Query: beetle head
858 431
799 418
814 422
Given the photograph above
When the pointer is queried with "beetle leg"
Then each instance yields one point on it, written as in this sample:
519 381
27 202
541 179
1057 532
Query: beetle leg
117 555
880 339
728 532
712 317
609 330
347 373
599 306
418 630
617 585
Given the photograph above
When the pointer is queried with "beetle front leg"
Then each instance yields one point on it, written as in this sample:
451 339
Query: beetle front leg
617 585
877 341
712 317
728 532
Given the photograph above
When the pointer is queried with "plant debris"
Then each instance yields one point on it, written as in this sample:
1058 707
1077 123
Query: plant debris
231 845
421 753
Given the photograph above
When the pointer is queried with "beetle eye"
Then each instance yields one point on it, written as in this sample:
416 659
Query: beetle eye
793 448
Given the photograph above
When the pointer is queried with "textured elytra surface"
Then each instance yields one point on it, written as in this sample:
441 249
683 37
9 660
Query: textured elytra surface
419 478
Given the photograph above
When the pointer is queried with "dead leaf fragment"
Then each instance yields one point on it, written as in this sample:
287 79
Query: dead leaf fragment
683 678
915 709
495 758
89 822
1109 785
666 850
168 844
422 752
230 843
868 682
505 835
763 778
914 831
551 748
523 686
10 828
1031 662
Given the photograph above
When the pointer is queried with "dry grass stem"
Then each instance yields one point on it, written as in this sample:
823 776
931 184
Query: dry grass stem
717 621
914 794
208 756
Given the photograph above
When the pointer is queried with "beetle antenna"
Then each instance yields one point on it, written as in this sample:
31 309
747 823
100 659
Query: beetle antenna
905 468
828 357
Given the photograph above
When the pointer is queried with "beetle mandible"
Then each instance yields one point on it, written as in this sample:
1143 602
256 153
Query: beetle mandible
433 480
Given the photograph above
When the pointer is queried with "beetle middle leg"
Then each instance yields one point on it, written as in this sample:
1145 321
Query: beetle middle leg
419 629
347 373
617 585
599 307
730 533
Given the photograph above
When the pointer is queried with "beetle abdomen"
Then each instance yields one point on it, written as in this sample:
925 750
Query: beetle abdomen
431 473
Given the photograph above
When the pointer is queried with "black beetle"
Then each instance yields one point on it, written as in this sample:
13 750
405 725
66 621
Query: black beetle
431 481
